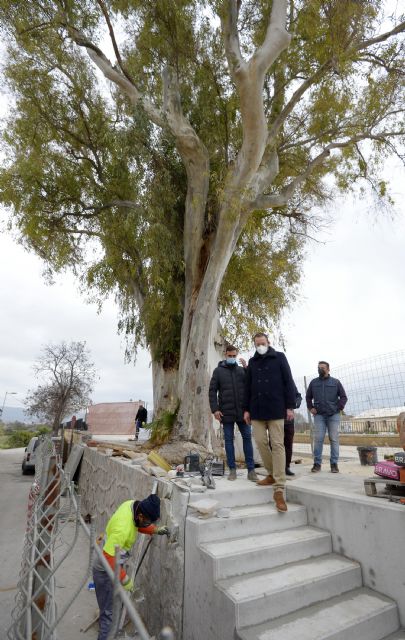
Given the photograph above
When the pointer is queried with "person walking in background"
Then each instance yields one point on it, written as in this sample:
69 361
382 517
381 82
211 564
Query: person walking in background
226 397
140 419
325 399
269 400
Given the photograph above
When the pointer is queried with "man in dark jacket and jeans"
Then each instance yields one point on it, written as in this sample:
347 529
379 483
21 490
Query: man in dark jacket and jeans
270 399
226 396
326 398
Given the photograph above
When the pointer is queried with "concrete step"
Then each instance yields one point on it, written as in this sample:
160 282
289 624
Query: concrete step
247 521
359 615
241 492
400 635
266 550
268 594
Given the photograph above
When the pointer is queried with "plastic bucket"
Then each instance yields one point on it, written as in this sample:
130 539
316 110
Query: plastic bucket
368 456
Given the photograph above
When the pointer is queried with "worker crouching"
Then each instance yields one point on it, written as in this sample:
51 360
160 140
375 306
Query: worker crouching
122 530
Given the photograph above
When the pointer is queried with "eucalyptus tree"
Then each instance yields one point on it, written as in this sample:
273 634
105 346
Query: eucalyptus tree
174 152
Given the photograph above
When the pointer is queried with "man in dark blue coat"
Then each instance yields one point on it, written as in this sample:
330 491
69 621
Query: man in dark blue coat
226 396
326 398
270 399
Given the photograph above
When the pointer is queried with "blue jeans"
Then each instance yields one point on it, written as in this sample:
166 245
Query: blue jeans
246 433
104 595
321 424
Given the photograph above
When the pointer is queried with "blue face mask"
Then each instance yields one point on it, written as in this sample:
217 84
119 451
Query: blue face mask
231 361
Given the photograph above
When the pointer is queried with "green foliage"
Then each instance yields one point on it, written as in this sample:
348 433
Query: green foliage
265 272
14 436
161 428
93 186
19 438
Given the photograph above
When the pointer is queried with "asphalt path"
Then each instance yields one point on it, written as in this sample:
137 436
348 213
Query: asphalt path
14 490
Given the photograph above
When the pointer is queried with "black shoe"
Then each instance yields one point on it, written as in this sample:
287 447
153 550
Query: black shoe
288 472
316 468
334 468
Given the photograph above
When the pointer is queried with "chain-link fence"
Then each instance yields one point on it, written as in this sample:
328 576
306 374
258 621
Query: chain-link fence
375 388
52 504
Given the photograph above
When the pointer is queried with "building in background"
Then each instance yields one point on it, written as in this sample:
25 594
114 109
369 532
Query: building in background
113 418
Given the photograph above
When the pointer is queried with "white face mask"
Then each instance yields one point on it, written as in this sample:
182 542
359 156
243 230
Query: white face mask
262 349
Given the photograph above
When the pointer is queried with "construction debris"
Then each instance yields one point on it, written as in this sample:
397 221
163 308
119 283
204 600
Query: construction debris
157 460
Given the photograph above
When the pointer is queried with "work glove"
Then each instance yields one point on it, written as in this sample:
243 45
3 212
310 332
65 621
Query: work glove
163 531
128 586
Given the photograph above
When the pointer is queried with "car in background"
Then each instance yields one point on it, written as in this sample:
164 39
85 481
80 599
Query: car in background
28 463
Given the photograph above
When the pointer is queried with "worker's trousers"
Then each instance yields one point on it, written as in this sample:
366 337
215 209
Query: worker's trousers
104 595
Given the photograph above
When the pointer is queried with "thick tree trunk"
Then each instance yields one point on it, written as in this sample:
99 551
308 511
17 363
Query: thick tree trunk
201 353
56 422
165 389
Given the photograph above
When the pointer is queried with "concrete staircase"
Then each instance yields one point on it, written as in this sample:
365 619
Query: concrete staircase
262 575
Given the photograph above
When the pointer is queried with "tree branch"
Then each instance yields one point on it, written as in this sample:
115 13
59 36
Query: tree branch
295 98
117 77
381 38
196 161
272 201
323 69
229 21
114 41
249 80
277 38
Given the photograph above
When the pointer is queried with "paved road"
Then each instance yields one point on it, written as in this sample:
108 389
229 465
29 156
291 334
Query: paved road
14 490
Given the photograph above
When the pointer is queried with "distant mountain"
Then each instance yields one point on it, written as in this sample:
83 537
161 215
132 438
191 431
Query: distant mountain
17 414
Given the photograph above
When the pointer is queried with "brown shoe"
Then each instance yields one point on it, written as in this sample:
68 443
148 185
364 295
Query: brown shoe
279 501
266 481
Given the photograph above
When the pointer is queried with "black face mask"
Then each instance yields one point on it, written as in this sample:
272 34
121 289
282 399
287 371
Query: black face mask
322 373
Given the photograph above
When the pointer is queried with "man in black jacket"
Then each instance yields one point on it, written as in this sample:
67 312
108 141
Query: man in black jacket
326 398
270 399
226 396
140 419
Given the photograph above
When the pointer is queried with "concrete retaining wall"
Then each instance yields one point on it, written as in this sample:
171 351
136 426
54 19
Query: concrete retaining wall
106 482
369 530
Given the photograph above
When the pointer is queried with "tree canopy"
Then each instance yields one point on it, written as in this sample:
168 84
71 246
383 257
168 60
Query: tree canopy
174 150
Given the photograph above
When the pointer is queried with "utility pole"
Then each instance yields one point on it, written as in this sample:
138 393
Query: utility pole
8 393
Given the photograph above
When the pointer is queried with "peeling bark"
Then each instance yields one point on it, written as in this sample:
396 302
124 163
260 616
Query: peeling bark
165 389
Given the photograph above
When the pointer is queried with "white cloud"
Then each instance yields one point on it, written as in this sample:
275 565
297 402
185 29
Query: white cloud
33 313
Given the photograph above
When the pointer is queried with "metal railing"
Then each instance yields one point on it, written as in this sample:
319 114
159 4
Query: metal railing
52 504
373 426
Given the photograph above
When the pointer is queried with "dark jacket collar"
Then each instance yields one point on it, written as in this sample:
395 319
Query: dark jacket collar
271 353
223 363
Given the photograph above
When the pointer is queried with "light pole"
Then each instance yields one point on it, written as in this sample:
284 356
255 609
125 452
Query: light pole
8 393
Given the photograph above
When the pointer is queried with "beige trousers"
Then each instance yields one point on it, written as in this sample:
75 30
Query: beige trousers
274 458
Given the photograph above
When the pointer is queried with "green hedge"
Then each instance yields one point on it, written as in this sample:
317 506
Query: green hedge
19 437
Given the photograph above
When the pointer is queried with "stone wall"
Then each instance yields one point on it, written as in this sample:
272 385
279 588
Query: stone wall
104 483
